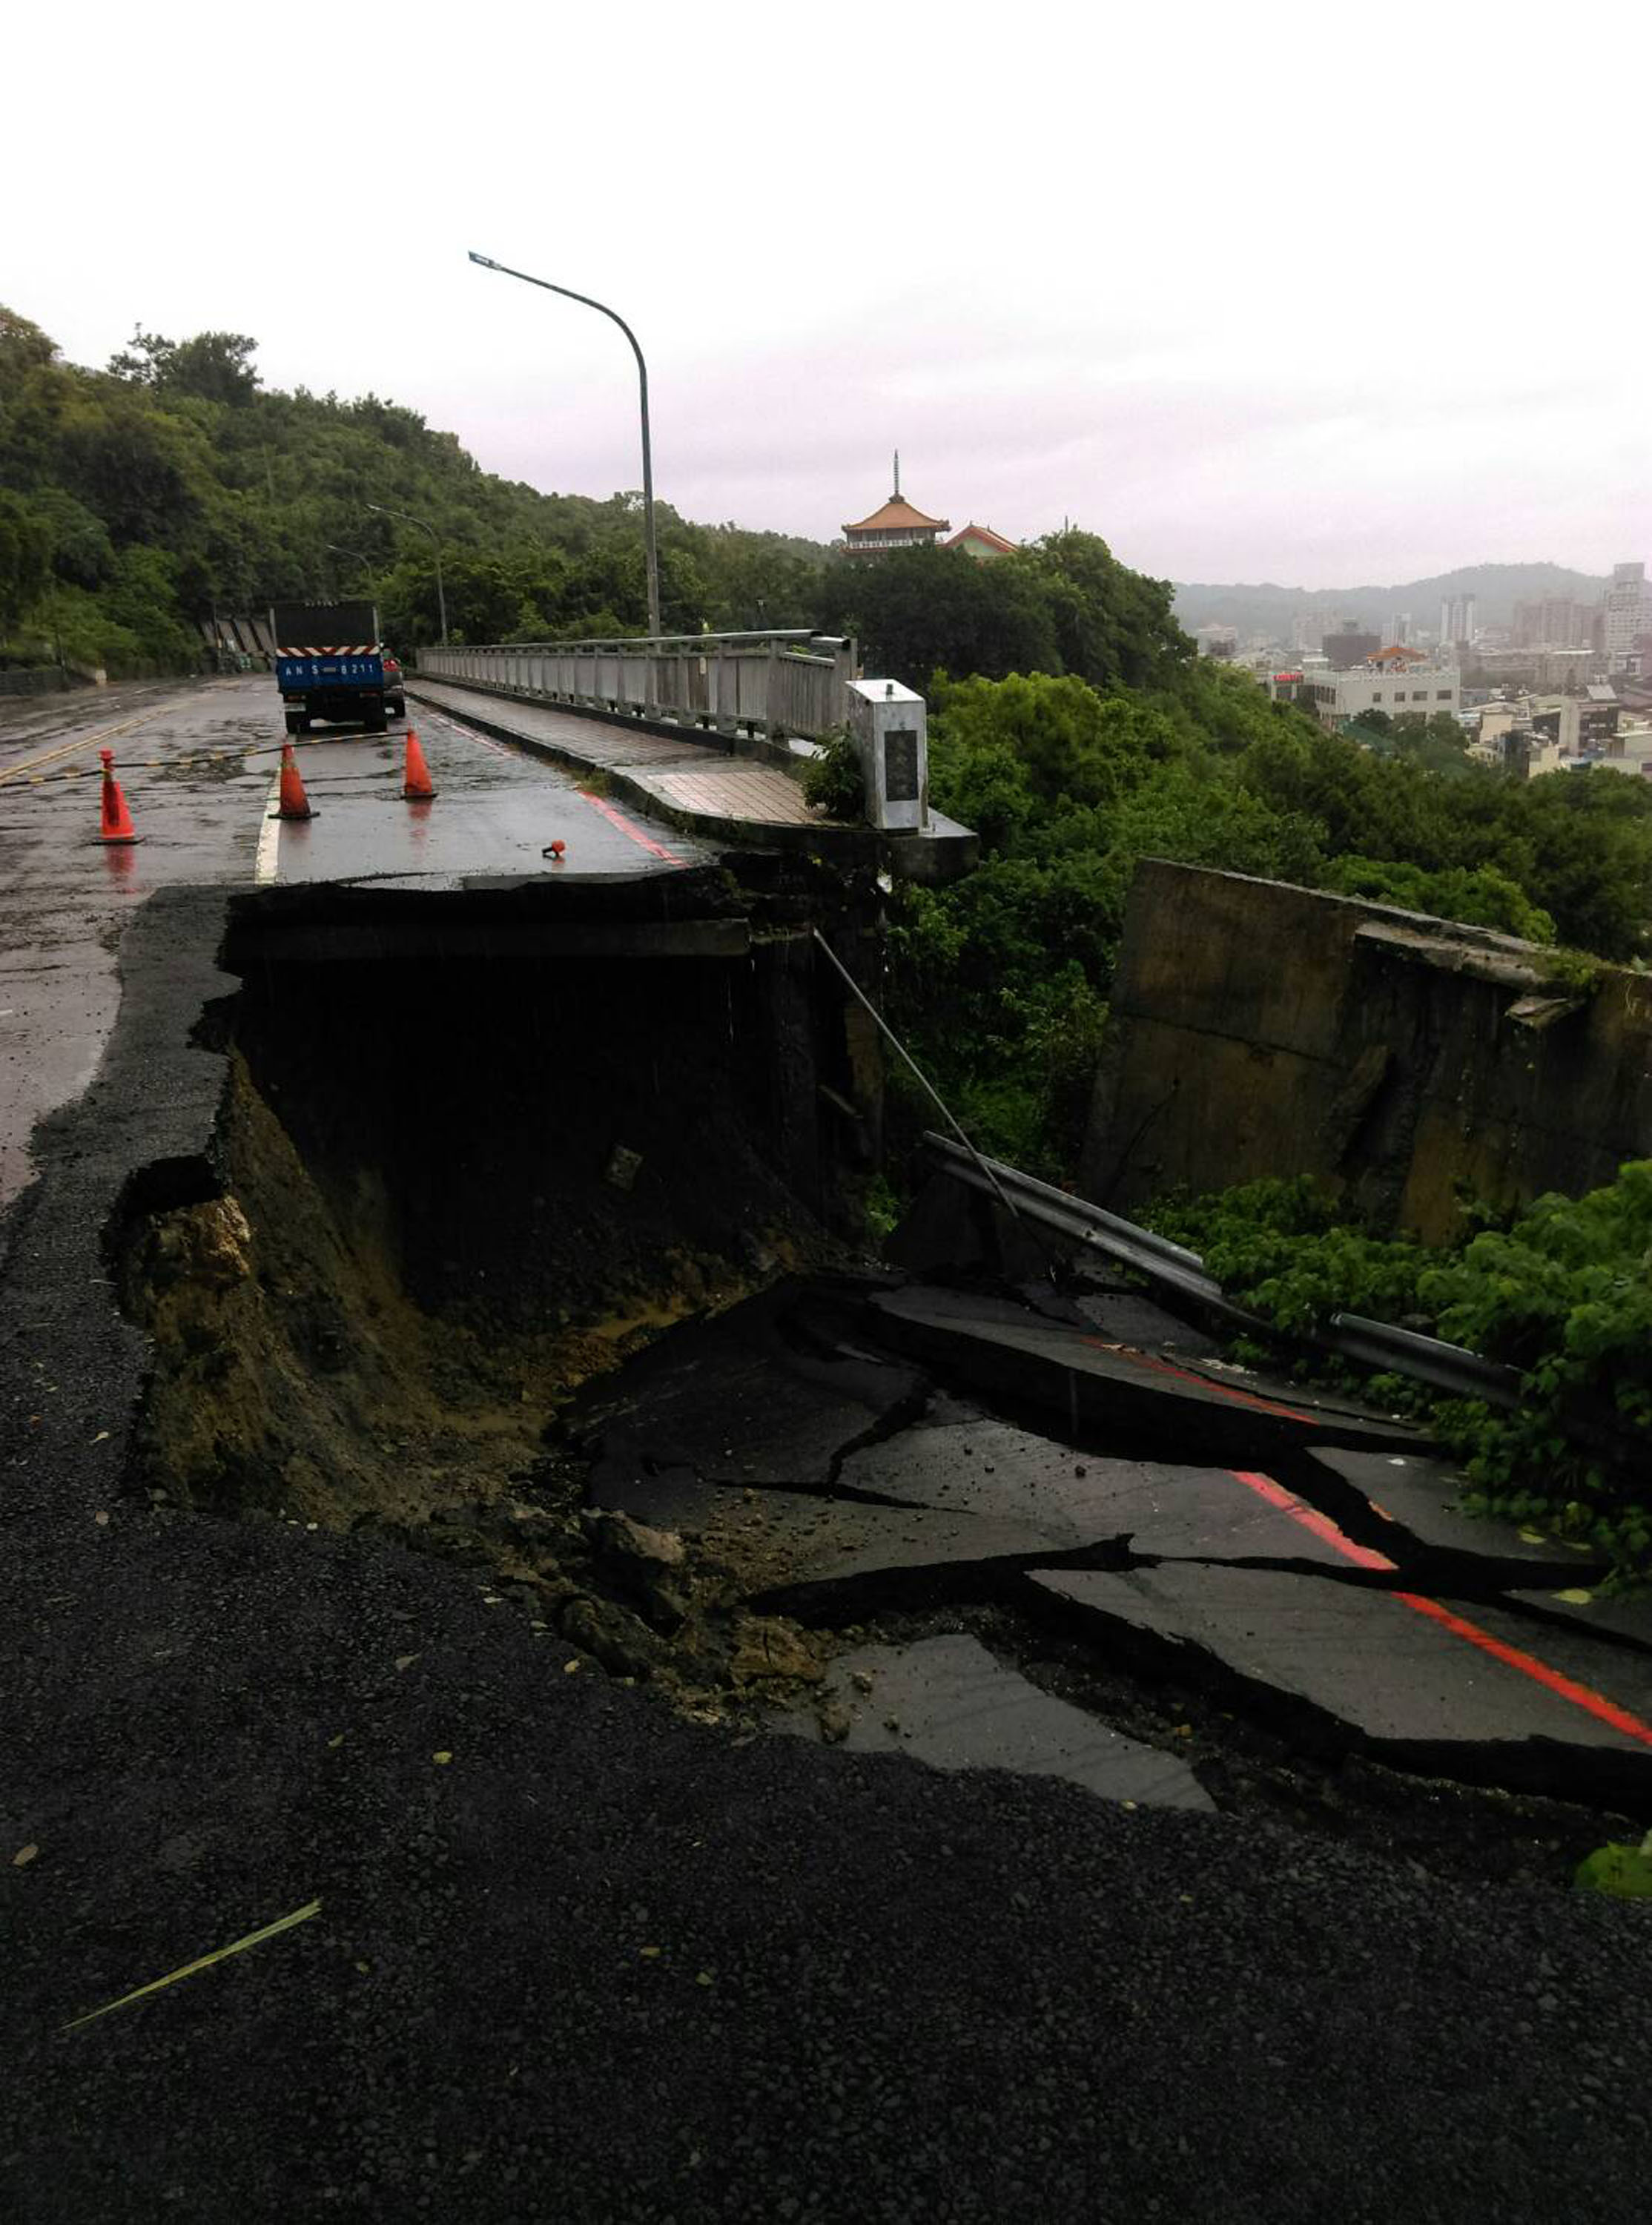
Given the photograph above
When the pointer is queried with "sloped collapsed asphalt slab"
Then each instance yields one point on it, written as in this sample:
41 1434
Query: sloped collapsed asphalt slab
878 1992
775 1391
1099 1390
1446 1688
949 1701
1229 1572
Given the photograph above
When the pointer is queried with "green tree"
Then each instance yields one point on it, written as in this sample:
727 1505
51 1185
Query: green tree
24 348
215 366
25 556
917 611
1114 627
1480 897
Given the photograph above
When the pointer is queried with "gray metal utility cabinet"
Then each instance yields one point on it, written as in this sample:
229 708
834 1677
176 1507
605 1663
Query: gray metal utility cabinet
888 723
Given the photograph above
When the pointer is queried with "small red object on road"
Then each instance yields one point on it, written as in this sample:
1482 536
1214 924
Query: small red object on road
553 851
416 783
116 822
295 804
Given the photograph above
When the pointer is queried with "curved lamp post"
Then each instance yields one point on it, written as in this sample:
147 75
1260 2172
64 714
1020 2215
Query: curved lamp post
567 293
355 554
409 519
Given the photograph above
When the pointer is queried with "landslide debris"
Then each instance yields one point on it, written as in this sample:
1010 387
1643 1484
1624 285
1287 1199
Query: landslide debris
294 1379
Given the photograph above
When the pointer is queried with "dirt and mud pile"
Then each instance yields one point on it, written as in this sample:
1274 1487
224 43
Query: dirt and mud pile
451 1197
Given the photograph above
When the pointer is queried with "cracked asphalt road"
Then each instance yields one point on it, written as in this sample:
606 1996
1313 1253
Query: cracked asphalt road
879 1992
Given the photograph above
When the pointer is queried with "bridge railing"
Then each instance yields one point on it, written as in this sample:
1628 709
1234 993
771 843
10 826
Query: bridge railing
779 684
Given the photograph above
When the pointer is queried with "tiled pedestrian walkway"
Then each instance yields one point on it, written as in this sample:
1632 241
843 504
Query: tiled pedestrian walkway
688 777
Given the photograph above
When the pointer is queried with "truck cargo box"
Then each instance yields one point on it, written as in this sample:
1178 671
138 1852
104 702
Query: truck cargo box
325 629
329 663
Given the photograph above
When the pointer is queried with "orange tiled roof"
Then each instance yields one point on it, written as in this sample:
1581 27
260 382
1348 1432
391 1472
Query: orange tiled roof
1396 653
973 532
896 513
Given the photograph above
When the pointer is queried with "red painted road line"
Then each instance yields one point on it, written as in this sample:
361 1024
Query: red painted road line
625 827
1204 1382
1592 1703
1552 1680
1310 1518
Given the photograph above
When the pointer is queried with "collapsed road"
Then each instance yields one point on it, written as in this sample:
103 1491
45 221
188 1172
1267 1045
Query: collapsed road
768 1736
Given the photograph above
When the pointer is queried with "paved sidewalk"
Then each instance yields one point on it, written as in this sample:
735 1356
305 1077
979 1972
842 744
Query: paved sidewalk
696 787
737 791
690 780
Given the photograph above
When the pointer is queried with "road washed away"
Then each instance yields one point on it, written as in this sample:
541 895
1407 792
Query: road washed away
961 1503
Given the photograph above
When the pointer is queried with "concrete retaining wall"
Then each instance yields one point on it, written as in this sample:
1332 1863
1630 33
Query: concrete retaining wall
44 679
1259 1029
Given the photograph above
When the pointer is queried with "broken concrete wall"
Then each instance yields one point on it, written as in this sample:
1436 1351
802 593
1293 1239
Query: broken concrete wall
1258 1028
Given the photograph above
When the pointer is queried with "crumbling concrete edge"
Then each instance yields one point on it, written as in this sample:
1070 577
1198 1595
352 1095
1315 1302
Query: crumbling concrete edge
143 1134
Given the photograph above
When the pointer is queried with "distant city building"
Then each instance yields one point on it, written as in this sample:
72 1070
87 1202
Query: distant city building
1456 618
1399 628
1582 725
1395 681
1498 724
1567 668
1626 613
1307 632
1347 646
896 525
981 542
1221 641
1557 622
1630 750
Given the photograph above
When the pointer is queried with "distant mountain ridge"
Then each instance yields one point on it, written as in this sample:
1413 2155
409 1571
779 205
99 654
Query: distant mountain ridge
1495 589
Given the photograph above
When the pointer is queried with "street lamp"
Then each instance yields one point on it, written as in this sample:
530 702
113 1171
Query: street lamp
568 293
339 549
409 519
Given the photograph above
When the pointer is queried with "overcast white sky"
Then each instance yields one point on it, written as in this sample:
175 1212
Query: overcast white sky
1275 292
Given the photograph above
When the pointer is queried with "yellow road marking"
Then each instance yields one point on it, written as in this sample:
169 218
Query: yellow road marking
28 765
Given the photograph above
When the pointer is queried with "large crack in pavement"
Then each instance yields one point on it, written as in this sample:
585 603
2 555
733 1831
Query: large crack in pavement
568 1943
1361 1626
796 1499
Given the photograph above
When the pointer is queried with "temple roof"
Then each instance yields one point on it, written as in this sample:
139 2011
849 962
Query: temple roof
973 532
898 513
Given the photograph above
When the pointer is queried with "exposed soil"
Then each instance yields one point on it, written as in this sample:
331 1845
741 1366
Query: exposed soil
392 1323
416 1260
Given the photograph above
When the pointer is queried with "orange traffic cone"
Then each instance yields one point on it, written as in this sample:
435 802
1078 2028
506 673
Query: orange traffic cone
415 784
295 804
117 818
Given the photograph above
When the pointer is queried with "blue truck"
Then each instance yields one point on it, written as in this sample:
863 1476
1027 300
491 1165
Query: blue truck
330 663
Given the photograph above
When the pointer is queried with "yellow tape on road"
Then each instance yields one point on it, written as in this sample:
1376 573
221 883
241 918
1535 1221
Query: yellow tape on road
195 763
28 766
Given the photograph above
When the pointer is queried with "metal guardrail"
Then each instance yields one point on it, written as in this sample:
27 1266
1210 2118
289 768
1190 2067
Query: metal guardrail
779 684
1426 1359
1375 1344
1155 1257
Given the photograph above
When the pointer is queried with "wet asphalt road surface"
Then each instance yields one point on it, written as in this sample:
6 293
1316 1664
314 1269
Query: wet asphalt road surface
197 761
600 1964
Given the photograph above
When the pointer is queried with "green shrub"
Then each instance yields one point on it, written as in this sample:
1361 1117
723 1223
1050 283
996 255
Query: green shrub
835 781
1564 1294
